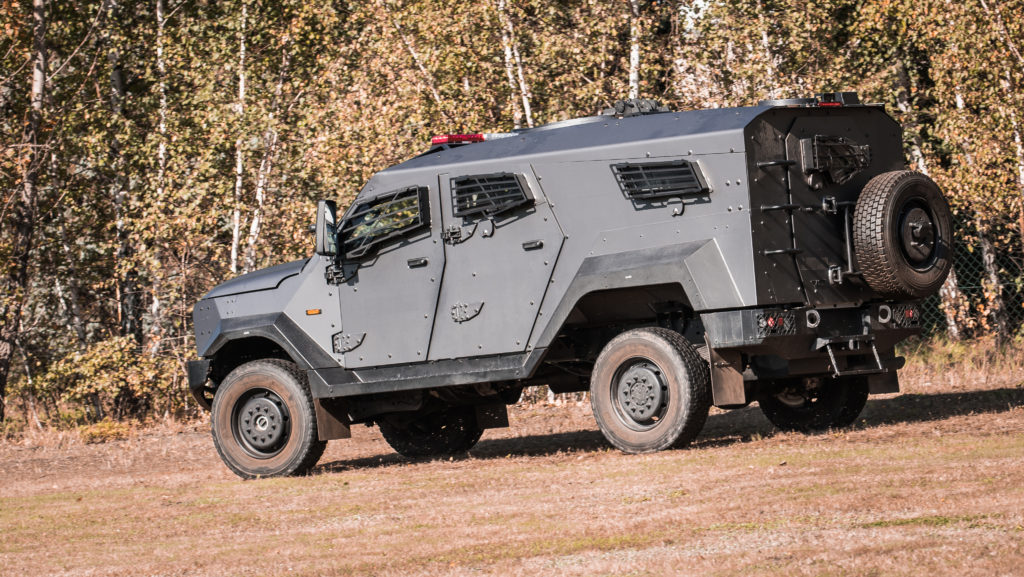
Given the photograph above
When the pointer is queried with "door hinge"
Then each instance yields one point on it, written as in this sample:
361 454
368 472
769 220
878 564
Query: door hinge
335 274
452 235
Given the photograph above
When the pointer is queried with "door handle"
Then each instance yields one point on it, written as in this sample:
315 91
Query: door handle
417 262
533 244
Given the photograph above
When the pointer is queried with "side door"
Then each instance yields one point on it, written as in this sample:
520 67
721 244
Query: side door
501 242
391 269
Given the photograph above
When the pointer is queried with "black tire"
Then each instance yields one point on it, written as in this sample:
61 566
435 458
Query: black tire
815 403
903 235
263 421
650 390
422 435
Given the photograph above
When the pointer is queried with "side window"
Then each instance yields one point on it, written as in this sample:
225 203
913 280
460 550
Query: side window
375 222
487 194
652 180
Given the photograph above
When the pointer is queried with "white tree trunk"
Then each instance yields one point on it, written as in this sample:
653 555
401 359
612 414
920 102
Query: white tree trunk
506 44
950 296
161 66
15 281
514 61
1020 168
769 58
161 162
270 143
236 214
427 76
524 87
903 103
994 287
634 49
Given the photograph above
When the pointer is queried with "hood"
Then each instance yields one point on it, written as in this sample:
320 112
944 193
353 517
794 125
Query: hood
263 279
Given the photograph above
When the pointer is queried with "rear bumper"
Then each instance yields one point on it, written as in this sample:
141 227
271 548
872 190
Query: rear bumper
808 332
769 344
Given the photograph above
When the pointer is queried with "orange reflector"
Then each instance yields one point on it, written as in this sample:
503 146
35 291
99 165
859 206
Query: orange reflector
313 311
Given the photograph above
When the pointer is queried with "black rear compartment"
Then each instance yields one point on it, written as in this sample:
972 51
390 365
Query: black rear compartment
807 167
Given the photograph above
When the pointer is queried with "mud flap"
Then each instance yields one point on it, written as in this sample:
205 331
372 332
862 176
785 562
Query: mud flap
888 381
727 389
492 416
331 419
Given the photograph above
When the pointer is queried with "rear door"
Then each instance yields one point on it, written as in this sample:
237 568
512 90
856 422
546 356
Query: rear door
835 153
500 241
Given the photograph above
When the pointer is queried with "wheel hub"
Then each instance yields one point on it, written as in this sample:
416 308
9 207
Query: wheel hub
262 423
918 235
641 392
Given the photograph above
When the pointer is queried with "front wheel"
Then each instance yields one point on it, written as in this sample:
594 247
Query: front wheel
650 390
263 421
815 403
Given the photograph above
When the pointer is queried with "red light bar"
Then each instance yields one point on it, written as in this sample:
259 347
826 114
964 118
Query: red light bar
456 138
830 104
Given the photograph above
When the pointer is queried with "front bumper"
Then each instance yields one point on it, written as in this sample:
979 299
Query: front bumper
198 376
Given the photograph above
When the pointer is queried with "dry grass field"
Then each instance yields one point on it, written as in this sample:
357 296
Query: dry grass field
928 483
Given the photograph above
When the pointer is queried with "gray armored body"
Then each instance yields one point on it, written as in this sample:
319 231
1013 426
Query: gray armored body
664 261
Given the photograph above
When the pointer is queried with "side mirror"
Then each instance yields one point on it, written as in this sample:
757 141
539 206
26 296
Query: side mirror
326 228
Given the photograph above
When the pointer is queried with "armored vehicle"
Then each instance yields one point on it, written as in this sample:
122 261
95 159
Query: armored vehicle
664 261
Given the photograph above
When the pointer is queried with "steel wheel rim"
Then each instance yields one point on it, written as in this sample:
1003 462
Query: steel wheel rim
640 394
917 234
802 395
260 423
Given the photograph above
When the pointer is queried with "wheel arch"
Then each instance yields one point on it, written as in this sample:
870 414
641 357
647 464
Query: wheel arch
694 274
238 351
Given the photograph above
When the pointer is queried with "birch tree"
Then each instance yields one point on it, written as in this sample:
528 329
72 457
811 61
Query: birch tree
236 213
24 205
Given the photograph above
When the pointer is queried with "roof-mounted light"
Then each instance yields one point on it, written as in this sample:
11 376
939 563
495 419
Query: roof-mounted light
457 138
837 99
442 139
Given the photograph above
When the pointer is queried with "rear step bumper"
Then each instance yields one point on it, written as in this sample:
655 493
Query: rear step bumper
768 344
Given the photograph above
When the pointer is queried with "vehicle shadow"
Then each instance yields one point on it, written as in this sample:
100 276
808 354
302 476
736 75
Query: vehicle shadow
726 428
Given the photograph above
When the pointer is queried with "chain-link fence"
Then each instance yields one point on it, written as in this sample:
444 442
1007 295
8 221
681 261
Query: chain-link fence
984 293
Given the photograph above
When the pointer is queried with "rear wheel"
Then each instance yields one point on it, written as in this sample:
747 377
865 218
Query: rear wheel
263 421
432 434
650 390
815 403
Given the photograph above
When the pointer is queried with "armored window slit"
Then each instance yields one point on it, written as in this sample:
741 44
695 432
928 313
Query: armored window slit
644 181
487 194
389 216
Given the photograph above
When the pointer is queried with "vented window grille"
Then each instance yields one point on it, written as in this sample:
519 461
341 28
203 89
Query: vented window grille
643 181
487 194
378 221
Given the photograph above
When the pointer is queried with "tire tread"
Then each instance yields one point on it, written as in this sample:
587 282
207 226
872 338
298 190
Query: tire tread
875 261
686 429
312 447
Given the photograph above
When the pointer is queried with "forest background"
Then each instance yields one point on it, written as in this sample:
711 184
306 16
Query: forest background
150 150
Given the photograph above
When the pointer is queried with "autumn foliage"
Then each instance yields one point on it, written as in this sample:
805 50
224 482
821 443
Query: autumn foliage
167 146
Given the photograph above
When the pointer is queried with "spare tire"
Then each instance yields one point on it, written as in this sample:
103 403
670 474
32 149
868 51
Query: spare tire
903 235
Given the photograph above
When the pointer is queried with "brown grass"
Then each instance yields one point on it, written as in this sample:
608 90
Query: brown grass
927 483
